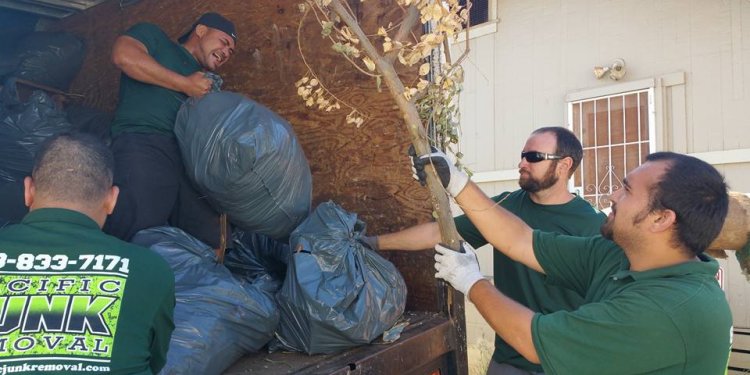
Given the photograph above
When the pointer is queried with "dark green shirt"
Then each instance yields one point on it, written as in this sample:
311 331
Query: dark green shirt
521 283
667 321
146 108
75 300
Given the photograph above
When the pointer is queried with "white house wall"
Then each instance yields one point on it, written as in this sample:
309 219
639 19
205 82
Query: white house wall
517 79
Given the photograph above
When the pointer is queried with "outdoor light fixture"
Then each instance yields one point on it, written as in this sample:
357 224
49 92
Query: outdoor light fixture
615 71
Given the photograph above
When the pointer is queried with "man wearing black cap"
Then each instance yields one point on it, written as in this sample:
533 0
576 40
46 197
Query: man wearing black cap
158 75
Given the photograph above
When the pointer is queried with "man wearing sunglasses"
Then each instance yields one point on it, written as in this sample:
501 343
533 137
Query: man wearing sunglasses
548 160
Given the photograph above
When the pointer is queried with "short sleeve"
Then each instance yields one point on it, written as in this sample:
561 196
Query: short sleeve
469 232
150 35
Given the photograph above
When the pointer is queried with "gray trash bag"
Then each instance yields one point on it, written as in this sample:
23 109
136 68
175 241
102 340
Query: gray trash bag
337 293
218 318
23 128
12 206
258 259
247 161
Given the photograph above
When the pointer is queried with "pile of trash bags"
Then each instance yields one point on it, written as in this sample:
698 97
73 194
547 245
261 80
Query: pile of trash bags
51 59
48 58
328 295
247 160
219 315
24 126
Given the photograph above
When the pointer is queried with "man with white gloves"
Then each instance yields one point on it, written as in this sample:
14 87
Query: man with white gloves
547 161
652 302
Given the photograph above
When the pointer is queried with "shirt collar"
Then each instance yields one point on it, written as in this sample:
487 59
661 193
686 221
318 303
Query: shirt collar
57 215
705 265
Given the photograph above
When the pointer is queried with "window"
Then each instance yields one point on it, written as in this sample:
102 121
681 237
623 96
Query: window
483 18
617 133
479 12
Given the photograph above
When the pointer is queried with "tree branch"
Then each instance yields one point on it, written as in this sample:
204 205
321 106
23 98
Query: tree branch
407 25
440 203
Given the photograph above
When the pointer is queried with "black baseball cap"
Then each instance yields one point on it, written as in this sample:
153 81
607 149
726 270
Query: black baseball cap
213 20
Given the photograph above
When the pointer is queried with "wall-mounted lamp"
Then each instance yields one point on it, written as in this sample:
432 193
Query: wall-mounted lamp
615 71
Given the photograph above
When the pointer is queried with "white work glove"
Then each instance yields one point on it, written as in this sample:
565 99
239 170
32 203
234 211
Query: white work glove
453 180
461 270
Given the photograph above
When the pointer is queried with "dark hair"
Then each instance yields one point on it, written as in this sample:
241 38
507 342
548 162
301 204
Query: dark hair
697 194
73 167
567 144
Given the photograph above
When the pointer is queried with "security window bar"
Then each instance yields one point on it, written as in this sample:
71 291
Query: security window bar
617 133
479 12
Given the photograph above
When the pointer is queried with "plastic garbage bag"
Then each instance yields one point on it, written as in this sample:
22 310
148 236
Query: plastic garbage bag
218 318
258 259
12 206
50 58
247 161
337 294
23 128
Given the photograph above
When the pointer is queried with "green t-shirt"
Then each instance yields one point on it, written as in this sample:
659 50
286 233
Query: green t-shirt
75 300
146 108
522 284
671 320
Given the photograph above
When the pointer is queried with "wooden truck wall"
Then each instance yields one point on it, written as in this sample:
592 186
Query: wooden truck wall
364 169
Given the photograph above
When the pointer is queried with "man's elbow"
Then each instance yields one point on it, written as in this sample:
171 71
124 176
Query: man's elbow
119 58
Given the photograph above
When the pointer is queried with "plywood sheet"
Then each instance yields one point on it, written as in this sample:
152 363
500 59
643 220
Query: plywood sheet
365 170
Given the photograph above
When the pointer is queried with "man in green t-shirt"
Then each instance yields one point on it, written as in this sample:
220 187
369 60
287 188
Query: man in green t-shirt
73 299
652 303
548 160
158 75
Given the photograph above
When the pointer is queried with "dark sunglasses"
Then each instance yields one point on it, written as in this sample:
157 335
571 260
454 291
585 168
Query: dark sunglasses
536 156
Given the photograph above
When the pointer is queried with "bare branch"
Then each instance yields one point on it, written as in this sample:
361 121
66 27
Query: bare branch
413 124
407 25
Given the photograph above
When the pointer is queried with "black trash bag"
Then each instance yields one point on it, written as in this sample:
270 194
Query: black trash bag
218 318
23 128
50 58
8 64
12 206
90 120
337 294
247 161
258 259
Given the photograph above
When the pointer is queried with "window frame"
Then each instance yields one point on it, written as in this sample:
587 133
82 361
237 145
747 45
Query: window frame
608 92
485 28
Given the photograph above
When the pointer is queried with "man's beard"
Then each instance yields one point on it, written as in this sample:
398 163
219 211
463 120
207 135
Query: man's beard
533 185
606 229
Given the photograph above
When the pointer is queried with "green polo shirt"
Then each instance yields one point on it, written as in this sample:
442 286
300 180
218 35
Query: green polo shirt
522 284
146 108
75 300
672 320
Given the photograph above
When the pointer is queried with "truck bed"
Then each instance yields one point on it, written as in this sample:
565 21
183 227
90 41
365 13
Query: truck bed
428 337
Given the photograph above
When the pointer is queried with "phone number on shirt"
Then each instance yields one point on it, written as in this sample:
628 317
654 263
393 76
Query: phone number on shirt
41 262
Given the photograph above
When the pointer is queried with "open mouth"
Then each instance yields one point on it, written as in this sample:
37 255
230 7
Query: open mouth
219 57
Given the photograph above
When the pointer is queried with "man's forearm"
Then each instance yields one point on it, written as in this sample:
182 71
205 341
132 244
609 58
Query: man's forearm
419 237
509 319
499 227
